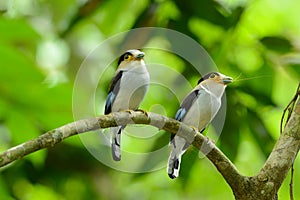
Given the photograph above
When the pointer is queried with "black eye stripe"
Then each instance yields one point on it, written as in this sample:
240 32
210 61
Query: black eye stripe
122 57
207 76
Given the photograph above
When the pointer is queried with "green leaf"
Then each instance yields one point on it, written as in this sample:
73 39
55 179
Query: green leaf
189 158
162 139
4 191
260 132
277 43
295 69
21 126
23 129
211 11
235 116
18 33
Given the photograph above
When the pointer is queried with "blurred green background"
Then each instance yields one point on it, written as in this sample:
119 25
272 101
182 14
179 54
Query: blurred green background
43 43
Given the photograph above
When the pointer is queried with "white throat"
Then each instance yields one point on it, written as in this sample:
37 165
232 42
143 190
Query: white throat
216 90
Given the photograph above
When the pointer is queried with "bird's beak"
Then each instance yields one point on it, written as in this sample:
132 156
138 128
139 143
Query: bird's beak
139 56
226 80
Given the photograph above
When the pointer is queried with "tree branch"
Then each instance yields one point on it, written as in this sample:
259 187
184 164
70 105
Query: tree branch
284 153
222 163
262 186
266 183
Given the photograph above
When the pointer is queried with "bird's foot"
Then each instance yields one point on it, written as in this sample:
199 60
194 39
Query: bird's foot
195 129
129 111
209 140
143 111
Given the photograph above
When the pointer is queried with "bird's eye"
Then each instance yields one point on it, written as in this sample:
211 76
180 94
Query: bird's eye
212 76
126 57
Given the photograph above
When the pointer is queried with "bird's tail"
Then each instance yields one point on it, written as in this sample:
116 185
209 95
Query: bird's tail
116 142
179 146
173 166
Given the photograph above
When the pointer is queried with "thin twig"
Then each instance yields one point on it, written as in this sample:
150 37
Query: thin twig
290 108
292 183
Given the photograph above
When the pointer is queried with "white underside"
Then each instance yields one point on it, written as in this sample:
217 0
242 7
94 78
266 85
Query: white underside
133 87
201 113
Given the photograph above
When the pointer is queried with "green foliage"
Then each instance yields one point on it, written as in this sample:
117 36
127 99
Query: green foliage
42 45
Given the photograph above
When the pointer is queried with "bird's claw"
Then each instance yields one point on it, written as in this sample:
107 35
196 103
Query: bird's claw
129 111
195 129
143 111
209 140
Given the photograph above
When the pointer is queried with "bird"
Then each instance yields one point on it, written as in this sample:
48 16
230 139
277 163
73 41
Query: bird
197 110
127 90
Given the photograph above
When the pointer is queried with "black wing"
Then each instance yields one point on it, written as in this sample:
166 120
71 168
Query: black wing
113 91
185 106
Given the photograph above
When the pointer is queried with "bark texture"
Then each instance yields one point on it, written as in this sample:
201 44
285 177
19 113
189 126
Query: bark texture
266 183
263 186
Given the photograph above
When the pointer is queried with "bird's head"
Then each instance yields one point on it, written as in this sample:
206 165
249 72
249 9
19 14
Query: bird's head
131 58
215 78
215 82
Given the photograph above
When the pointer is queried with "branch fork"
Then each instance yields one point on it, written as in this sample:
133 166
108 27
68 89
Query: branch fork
262 186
